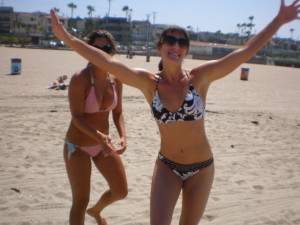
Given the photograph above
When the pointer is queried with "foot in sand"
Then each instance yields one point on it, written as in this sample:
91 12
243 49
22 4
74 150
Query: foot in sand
97 217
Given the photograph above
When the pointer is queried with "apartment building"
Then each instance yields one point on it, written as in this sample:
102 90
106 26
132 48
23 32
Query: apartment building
120 28
26 23
141 32
6 19
45 24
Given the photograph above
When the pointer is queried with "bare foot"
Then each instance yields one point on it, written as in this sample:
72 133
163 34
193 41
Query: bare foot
97 217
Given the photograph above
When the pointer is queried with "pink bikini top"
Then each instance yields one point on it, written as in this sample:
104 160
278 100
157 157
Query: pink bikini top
91 103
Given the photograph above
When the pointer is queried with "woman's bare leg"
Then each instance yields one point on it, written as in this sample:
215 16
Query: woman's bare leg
166 187
79 173
113 171
195 194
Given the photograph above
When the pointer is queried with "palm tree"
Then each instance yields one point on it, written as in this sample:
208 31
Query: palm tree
243 27
251 18
292 31
109 1
125 9
90 9
72 6
239 28
189 28
129 15
251 24
56 10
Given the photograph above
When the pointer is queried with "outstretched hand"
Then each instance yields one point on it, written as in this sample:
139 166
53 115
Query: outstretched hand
289 13
58 29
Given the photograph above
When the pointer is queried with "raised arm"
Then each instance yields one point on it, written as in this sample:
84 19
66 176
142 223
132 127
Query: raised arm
219 68
129 76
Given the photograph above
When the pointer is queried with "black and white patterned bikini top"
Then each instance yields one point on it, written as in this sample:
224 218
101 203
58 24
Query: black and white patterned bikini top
192 107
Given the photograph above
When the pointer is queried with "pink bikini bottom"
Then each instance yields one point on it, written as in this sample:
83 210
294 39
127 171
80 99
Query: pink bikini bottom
92 151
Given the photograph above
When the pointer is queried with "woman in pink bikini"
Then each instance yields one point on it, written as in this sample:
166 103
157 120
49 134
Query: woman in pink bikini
93 93
177 97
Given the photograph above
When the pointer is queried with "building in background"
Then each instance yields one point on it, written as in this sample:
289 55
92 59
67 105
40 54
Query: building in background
137 36
6 20
119 27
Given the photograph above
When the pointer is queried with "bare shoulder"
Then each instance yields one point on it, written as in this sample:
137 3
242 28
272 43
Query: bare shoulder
148 83
80 77
146 73
149 76
205 71
146 77
200 76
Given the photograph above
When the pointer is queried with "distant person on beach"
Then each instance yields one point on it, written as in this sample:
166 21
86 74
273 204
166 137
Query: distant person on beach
62 79
59 83
93 94
62 82
177 99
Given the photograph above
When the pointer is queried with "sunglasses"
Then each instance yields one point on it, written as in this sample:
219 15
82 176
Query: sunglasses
171 40
106 48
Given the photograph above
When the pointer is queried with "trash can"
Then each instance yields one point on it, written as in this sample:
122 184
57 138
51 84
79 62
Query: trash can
15 66
244 73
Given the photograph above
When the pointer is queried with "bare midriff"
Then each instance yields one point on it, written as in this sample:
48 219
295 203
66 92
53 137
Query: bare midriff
185 142
98 120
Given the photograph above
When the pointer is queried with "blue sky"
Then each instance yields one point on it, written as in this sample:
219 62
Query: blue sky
202 15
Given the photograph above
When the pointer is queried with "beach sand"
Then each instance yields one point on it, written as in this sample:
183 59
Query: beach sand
253 127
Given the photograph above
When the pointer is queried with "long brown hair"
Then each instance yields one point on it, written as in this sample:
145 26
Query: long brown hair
90 38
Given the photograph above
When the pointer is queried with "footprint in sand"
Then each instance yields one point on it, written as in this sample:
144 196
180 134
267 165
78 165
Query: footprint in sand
239 182
23 208
258 187
61 195
19 176
216 199
209 217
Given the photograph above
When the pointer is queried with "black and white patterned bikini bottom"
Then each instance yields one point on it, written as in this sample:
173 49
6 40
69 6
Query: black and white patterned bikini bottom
185 171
